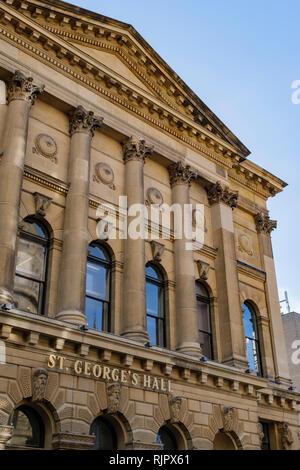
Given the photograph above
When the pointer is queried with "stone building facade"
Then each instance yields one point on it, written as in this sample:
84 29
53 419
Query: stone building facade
113 341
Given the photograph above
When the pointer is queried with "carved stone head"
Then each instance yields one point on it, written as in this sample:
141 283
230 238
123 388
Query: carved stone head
260 432
39 382
285 436
113 397
175 407
228 416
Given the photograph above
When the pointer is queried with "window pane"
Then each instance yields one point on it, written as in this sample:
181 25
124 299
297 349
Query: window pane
96 281
105 436
252 354
30 259
34 229
27 294
97 253
151 328
152 298
201 290
151 272
205 343
250 330
28 428
94 311
265 445
203 316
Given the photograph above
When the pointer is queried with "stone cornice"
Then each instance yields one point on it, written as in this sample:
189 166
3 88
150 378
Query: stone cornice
208 375
50 49
97 30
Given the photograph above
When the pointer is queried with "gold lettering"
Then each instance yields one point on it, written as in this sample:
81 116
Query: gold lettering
147 381
78 367
115 375
97 369
52 361
124 376
135 379
87 368
61 362
106 372
155 384
162 384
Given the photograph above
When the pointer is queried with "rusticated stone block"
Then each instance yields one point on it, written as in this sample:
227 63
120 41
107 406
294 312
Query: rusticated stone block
25 381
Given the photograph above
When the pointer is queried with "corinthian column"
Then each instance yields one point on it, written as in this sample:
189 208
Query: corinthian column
72 281
21 95
264 227
185 294
233 349
134 326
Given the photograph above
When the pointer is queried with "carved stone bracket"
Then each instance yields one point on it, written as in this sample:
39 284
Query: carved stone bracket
228 418
264 223
136 149
84 121
42 204
203 269
20 87
157 250
216 194
181 174
113 397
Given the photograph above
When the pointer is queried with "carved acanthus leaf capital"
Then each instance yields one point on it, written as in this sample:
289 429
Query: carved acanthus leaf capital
136 149
181 174
216 194
20 87
264 223
85 121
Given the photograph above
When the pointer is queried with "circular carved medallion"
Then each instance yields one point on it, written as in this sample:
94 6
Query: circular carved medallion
105 174
46 146
245 244
154 196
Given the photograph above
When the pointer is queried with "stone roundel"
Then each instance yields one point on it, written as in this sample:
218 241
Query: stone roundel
104 173
245 244
46 145
154 196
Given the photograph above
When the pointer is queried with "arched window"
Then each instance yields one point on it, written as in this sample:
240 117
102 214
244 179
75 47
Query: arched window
155 306
31 267
252 341
97 302
204 320
105 434
167 439
28 428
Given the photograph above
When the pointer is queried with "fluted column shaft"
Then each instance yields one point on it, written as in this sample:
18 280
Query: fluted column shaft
233 349
72 280
134 324
21 95
185 294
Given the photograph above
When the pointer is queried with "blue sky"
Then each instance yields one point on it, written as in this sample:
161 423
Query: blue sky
241 58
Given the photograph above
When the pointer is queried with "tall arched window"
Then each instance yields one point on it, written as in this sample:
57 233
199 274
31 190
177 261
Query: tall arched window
252 341
105 434
204 320
155 306
28 429
31 267
97 303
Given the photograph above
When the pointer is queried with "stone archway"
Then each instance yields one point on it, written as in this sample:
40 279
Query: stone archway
224 441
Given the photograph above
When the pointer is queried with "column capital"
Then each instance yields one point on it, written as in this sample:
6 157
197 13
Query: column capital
21 87
216 194
264 223
136 149
85 121
181 174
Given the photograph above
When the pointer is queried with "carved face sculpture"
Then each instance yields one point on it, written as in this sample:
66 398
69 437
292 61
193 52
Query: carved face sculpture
113 397
286 436
175 407
228 418
39 382
260 432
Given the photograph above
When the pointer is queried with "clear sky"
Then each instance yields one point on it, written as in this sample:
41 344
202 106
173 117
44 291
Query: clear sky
240 57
